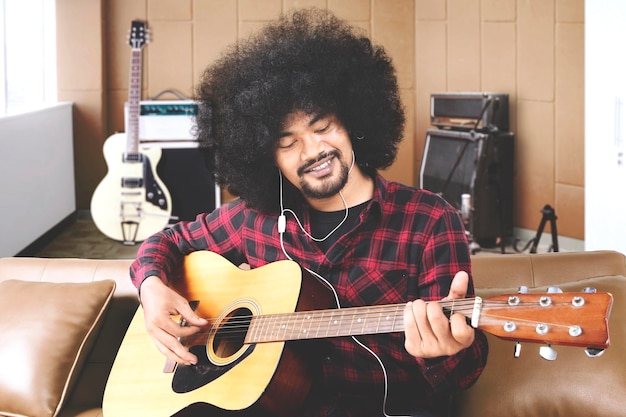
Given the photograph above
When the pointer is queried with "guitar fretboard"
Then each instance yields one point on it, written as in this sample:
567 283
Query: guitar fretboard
326 323
134 95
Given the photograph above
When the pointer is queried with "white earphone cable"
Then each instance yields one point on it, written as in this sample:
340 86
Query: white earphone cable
282 220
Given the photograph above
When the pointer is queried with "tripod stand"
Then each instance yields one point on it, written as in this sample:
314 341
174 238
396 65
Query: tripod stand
548 215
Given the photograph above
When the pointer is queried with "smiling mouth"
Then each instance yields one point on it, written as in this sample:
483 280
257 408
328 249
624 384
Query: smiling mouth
323 162
320 167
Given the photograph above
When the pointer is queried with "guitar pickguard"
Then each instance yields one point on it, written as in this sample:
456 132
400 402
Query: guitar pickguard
154 192
191 377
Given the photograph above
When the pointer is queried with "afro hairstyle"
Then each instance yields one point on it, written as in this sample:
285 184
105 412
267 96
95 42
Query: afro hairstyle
307 60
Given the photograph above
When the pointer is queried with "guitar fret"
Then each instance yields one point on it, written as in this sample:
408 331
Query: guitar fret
319 324
284 326
252 330
263 330
306 326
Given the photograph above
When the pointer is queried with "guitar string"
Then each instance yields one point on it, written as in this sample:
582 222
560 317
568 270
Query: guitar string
365 311
241 324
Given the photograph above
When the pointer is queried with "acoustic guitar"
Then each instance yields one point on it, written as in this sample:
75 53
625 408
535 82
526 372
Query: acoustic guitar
131 202
256 352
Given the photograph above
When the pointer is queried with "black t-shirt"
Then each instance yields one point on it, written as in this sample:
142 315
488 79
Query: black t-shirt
322 222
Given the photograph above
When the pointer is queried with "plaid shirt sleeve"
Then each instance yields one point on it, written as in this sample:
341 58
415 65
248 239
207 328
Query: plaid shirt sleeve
162 253
446 254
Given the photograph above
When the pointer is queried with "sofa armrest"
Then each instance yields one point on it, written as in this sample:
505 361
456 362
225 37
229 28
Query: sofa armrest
573 385
541 269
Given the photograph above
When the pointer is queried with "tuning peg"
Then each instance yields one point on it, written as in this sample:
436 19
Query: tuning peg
523 289
554 290
589 290
594 352
547 352
518 350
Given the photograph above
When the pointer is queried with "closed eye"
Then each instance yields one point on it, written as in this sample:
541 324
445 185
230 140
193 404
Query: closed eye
324 128
286 143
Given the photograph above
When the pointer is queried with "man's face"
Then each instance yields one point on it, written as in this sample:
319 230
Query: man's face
314 153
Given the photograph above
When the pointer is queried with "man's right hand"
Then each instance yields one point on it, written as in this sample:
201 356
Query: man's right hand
159 304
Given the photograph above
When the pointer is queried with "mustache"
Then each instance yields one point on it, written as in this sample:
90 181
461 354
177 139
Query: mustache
319 158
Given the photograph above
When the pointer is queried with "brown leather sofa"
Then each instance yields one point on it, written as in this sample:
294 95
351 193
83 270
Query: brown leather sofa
39 319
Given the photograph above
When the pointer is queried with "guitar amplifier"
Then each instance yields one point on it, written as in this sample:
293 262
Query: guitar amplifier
166 120
470 111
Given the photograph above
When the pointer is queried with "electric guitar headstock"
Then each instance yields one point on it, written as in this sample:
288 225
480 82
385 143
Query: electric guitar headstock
553 318
138 35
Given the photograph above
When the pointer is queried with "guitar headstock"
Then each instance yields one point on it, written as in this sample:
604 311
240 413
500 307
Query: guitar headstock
138 35
571 319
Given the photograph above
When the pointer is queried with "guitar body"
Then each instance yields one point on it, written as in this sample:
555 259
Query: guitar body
131 202
273 376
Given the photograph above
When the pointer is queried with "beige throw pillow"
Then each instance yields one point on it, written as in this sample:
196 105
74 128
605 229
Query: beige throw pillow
45 331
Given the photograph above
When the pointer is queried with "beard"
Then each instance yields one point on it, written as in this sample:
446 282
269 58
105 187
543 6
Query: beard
330 185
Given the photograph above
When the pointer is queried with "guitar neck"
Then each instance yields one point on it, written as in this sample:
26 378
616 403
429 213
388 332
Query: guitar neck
353 321
134 94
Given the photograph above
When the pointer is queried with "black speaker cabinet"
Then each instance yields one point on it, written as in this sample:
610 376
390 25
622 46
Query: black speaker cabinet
479 164
191 186
470 111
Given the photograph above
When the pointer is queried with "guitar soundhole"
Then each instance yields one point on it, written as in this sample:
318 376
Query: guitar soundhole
230 336
224 350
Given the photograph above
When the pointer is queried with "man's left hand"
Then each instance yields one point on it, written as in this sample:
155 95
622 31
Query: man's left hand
429 333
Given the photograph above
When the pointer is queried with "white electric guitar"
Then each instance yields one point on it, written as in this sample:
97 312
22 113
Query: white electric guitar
131 202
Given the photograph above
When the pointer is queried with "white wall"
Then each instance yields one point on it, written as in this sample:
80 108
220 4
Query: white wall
605 125
36 175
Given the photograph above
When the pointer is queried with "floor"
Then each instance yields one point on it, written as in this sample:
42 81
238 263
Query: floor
82 239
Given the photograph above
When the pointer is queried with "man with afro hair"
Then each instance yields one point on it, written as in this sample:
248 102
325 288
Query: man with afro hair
296 121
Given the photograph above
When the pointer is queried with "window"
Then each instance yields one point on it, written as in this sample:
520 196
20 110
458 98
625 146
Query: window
27 55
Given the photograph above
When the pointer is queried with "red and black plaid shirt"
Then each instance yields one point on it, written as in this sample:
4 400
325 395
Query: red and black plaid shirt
407 244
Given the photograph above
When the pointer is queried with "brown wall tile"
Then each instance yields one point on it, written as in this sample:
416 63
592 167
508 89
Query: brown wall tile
215 27
168 64
570 109
393 27
498 58
570 11
536 50
569 208
303 4
430 9
463 45
89 137
169 10
254 10
354 9
498 10
404 169
534 160
430 74
80 58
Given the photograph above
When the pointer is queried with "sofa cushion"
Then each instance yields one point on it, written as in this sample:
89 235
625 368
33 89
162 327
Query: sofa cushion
573 385
44 336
